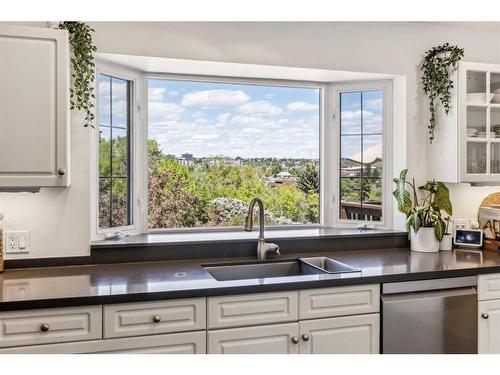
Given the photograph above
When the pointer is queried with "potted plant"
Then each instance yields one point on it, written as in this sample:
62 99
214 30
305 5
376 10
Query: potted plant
446 242
424 219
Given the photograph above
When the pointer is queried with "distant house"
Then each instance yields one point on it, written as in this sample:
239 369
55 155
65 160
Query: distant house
186 159
284 175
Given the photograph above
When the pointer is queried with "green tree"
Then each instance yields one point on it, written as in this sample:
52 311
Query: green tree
309 179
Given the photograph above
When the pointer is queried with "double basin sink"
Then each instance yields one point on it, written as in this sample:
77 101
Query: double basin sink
299 267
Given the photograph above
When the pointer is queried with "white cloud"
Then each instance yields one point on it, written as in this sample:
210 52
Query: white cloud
164 111
202 120
260 108
301 107
215 98
372 122
252 131
172 93
156 94
373 104
247 120
204 137
223 118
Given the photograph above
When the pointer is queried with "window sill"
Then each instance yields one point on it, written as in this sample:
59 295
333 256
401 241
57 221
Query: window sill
159 239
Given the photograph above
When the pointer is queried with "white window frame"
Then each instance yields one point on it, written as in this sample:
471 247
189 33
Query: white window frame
387 152
329 149
136 153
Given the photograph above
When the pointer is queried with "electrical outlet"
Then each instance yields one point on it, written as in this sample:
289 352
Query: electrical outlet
461 224
17 242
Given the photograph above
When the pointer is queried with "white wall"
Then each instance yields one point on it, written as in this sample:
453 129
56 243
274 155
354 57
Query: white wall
59 220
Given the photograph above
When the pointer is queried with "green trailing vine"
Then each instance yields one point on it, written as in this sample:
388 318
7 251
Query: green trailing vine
82 89
439 63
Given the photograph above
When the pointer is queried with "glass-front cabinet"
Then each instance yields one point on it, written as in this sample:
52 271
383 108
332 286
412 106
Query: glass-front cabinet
466 147
479 122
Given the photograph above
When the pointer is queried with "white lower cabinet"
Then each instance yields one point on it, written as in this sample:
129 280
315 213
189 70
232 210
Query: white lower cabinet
175 343
357 334
339 320
489 327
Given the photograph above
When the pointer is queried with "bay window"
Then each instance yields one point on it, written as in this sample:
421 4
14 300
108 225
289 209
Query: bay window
193 151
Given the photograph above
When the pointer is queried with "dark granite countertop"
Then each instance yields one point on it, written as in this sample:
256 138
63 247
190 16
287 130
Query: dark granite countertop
133 282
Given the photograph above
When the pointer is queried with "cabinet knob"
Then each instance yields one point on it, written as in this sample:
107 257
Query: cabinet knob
295 339
61 171
44 327
306 337
485 315
157 318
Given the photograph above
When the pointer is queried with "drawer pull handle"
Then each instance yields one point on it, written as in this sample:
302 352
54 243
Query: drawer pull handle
44 327
306 337
295 339
61 171
157 318
485 315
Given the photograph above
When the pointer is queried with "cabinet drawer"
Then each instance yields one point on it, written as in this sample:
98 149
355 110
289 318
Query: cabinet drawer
488 286
173 343
138 319
19 328
344 300
252 309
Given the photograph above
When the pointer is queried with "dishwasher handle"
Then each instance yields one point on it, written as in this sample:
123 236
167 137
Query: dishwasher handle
427 285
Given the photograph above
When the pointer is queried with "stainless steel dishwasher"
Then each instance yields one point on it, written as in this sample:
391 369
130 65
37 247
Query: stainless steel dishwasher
430 316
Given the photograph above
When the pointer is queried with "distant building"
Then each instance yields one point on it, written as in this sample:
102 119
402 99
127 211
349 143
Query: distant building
284 175
186 159
351 171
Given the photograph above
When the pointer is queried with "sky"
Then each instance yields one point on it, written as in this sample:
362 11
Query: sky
361 114
213 119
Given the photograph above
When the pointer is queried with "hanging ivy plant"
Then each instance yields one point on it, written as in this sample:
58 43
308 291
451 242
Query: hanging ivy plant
82 88
439 63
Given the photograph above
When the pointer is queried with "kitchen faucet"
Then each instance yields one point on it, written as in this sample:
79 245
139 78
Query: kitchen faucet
262 247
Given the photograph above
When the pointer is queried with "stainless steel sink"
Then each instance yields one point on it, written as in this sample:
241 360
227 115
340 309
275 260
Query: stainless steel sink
260 270
300 267
328 265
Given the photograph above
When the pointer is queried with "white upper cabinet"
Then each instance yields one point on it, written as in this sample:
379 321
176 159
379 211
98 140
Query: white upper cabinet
466 147
34 107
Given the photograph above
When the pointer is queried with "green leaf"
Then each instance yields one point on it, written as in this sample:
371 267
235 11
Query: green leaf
442 198
439 228
402 196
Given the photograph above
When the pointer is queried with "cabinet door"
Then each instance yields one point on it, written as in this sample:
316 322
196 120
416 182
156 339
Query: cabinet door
270 339
34 110
357 334
489 327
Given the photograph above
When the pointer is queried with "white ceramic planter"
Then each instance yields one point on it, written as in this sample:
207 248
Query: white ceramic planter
446 242
424 241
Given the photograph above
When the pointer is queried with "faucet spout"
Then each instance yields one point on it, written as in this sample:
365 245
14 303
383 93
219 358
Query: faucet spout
262 247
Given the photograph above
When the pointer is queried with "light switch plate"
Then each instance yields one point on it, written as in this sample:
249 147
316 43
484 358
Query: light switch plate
17 241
